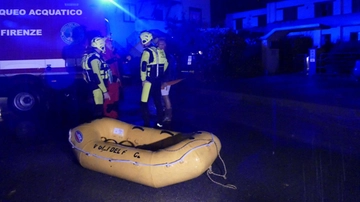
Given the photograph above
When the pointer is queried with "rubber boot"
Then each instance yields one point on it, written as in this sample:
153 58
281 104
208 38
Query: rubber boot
98 112
145 113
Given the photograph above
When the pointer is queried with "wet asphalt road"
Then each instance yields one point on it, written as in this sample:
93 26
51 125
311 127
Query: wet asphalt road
272 153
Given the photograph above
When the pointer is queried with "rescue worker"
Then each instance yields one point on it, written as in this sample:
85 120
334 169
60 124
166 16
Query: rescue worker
153 64
111 106
96 75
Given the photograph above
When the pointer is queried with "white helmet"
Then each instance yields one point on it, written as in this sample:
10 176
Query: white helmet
146 37
98 43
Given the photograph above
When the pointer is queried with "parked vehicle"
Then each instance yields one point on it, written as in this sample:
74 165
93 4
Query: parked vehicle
41 48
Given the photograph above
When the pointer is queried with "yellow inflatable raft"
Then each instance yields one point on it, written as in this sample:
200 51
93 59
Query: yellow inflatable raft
148 156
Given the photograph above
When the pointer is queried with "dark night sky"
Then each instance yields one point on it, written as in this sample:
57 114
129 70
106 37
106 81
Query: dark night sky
219 8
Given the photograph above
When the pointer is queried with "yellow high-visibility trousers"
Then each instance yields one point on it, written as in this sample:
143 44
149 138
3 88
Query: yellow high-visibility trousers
98 96
145 92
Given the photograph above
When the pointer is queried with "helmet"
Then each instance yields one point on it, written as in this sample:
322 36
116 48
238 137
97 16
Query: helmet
98 43
146 37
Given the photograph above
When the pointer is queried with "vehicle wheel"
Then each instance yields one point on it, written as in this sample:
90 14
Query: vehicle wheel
24 101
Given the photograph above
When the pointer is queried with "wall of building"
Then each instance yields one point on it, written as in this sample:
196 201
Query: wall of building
204 5
249 18
342 22
306 11
348 30
125 23
342 25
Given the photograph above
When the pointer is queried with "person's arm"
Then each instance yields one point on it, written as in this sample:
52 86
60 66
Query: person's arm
115 68
143 64
166 76
166 62
96 65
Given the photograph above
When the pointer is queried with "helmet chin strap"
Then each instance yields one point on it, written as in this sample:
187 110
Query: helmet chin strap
99 50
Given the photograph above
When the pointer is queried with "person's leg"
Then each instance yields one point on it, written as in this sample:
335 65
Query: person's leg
111 107
156 95
98 112
145 113
98 107
144 103
165 95
168 109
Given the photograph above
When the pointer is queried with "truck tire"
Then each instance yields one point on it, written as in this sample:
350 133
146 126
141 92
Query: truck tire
24 101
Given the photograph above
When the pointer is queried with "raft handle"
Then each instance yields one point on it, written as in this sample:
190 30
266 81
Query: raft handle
127 141
108 140
168 132
138 127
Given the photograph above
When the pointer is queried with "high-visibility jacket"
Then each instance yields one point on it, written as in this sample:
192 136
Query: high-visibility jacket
95 71
156 63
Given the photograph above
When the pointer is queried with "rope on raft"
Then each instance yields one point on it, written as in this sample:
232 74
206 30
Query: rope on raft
211 172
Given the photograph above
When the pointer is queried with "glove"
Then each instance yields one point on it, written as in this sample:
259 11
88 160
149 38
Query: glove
107 96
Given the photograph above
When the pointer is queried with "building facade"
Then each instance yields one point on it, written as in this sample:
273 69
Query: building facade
323 20
127 18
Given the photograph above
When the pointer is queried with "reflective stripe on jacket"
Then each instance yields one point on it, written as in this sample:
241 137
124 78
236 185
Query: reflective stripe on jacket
156 63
